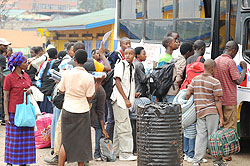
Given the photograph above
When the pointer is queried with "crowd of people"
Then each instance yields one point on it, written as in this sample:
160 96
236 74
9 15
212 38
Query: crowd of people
109 105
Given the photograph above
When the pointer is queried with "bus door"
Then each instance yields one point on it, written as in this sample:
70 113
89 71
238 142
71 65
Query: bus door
224 21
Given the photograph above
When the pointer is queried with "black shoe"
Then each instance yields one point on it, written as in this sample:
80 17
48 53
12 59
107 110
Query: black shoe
3 122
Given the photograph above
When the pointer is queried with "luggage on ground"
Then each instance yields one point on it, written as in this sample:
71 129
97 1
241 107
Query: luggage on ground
43 130
107 151
224 143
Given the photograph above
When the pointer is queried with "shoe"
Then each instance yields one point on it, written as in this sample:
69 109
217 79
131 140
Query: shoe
130 158
52 160
190 160
185 157
229 158
3 122
196 164
98 159
204 160
220 164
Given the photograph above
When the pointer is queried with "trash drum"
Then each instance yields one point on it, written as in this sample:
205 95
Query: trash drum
159 135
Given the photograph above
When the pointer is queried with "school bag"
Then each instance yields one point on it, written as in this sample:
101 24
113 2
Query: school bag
224 143
114 58
47 84
192 70
107 151
161 80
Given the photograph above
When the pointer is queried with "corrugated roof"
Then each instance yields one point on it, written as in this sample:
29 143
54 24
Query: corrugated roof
85 21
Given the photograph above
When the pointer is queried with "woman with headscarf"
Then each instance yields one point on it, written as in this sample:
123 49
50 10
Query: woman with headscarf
19 141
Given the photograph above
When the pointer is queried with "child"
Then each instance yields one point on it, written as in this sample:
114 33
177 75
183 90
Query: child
207 92
97 122
123 98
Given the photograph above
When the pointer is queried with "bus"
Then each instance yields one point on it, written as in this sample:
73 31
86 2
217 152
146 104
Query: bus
146 22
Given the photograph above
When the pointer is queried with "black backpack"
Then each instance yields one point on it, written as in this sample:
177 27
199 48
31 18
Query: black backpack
161 79
108 82
47 84
113 58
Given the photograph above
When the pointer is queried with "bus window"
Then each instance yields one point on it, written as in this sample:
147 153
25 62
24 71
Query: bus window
131 9
246 3
131 29
199 8
159 9
155 30
191 30
248 36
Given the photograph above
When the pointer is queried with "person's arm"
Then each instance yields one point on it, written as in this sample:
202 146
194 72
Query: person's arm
97 85
6 106
243 65
104 132
180 67
120 89
140 71
219 109
102 56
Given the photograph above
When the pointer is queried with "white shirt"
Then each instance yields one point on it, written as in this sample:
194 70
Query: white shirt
123 72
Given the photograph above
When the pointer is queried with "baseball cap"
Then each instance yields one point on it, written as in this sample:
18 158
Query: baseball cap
4 42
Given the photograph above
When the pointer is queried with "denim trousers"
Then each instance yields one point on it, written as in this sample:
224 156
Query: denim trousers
56 114
188 146
168 98
98 135
111 122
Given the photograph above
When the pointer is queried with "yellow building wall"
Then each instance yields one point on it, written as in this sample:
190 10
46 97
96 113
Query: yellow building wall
59 41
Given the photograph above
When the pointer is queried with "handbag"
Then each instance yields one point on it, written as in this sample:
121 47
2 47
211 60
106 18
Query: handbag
58 100
25 115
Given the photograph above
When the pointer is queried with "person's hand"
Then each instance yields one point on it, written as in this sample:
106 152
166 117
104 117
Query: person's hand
243 65
221 122
138 94
128 104
7 119
105 133
100 79
28 91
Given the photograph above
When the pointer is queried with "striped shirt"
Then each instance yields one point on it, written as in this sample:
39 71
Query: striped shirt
226 73
205 88
190 131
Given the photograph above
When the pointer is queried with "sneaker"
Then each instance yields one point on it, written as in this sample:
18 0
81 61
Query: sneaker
98 159
185 157
229 158
52 160
196 164
220 164
190 160
130 158
3 122
204 160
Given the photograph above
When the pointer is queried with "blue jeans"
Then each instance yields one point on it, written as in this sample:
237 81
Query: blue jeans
168 98
56 114
111 122
98 135
188 146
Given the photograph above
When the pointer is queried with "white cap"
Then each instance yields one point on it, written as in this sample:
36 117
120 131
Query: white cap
4 42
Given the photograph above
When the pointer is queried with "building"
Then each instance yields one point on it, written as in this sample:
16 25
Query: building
87 28
42 6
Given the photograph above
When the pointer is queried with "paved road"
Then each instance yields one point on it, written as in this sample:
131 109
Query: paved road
241 159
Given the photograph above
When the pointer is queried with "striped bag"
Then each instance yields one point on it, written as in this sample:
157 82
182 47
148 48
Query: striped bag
224 143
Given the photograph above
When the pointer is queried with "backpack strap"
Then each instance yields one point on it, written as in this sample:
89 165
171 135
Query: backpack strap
51 64
199 58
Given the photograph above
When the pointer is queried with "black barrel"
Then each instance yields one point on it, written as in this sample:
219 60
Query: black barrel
159 135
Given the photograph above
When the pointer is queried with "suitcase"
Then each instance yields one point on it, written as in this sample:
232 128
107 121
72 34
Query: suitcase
224 143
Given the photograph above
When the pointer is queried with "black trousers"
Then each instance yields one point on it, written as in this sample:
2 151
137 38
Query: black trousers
133 125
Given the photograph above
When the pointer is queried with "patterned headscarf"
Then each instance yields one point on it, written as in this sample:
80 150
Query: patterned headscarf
15 60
